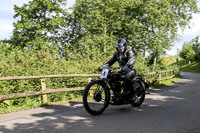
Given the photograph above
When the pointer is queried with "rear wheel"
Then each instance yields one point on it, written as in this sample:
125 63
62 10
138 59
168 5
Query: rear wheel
139 94
95 98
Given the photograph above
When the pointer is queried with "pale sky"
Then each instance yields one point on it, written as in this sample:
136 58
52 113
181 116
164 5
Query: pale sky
7 13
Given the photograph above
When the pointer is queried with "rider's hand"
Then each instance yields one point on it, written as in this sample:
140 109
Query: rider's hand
100 68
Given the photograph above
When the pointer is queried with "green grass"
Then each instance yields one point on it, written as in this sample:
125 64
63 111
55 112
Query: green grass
194 67
10 109
36 105
183 64
165 82
32 104
171 60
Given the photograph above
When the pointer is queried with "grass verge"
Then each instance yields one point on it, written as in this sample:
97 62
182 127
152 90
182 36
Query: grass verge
194 67
165 82
10 109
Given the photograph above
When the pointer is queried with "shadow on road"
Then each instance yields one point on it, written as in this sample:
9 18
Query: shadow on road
68 119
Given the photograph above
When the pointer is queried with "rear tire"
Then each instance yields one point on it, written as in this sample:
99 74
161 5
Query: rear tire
139 94
96 98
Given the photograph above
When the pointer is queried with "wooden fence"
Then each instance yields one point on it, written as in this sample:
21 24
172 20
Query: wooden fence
150 77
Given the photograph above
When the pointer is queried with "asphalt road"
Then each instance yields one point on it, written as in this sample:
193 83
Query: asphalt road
169 109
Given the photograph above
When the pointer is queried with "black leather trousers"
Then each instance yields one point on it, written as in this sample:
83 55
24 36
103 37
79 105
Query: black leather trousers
129 75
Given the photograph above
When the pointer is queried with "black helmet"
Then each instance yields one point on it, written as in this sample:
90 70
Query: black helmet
120 42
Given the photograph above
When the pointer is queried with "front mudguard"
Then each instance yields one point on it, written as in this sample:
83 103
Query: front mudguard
100 81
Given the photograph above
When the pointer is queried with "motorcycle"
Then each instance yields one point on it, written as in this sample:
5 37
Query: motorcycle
109 89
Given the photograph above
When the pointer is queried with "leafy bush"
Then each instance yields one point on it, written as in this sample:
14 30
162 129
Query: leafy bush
17 62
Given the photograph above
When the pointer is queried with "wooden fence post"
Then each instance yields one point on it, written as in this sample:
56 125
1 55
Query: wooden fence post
145 79
160 77
89 79
43 84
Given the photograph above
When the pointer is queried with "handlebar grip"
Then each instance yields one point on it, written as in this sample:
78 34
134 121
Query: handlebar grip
116 67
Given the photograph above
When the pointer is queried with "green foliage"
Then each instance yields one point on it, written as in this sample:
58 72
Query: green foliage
187 52
196 47
148 26
140 66
17 62
92 27
197 55
40 23
191 50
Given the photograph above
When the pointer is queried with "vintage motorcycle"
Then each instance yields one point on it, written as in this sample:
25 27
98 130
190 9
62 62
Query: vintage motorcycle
109 89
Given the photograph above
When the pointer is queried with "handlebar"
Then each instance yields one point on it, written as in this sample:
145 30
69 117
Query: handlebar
108 67
116 67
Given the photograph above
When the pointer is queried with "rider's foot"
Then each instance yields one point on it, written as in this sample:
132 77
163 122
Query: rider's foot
112 96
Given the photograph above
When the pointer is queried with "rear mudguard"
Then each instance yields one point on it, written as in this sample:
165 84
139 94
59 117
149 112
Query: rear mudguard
139 78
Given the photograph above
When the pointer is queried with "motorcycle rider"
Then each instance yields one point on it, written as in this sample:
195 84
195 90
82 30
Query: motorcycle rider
125 57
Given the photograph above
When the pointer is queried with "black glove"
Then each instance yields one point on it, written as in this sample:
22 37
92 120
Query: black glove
124 68
100 68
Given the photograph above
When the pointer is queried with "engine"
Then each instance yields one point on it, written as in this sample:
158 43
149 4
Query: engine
116 86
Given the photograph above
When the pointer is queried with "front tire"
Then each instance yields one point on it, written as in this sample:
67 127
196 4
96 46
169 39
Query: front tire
96 97
139 94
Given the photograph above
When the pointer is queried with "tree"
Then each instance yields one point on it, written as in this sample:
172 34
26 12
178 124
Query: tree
97 22
162 19
148 26
196 47
93 26
187 52
40 24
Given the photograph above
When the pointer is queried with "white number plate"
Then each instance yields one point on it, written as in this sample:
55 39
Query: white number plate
104 74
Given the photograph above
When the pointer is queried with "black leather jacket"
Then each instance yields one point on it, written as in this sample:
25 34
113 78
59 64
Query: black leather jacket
125 59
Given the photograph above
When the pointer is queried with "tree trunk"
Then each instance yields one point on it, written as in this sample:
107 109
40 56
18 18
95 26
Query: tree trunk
155 59
154 63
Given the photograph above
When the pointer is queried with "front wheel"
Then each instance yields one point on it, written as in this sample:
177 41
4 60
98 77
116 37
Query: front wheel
139 94
96 98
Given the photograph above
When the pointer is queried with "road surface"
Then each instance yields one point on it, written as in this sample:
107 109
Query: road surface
169 109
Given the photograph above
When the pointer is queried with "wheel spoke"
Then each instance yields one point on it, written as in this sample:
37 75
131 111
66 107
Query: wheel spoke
97 102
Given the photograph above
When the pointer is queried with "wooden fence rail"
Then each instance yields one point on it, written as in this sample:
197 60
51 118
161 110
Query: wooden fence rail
153 76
